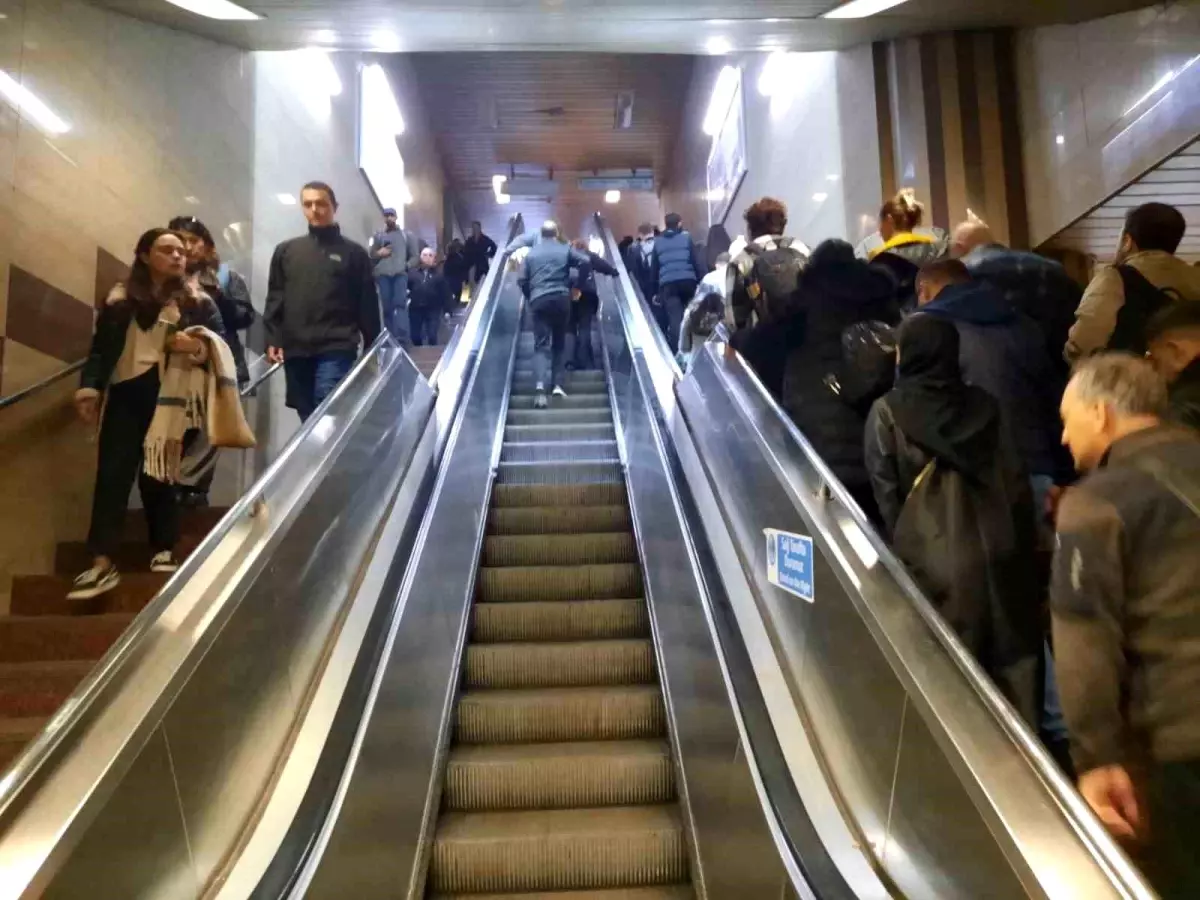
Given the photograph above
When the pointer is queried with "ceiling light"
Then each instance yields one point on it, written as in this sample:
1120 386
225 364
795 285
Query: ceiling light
190 198
385 40
718 46
325 36
715 195
216 9
286 199
612 196
1059 139
722 96
324 75
860 9
832 177
1161 83
379 102
596 244
820 197
503 199
31 105
772 73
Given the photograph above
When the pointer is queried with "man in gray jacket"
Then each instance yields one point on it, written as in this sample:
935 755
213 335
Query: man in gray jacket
546 282
394 251
1125 600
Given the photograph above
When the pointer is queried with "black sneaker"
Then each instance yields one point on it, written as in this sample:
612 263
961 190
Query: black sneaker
94 582
164 562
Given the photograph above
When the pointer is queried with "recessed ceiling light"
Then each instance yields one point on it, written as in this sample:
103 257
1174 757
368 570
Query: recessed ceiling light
820 197
286 199
832 177
217 9
1059 139
718 46
32 106
612 196
861 9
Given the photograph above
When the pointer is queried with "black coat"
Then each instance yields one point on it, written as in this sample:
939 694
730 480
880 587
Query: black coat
1185 396
428 289
794 357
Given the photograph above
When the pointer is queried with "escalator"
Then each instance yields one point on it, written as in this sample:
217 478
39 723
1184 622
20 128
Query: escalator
560 775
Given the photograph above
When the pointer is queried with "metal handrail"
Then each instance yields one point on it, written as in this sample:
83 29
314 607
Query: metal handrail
253 384
27 392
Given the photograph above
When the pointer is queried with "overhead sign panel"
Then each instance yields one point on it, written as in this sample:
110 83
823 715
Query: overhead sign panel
617 183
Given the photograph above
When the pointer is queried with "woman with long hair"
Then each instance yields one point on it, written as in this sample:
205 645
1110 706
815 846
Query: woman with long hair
140 326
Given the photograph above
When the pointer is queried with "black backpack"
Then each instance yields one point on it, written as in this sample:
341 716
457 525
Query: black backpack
1142 301
868 366
773 284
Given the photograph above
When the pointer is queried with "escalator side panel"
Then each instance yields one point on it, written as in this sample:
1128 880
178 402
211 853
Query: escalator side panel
376 847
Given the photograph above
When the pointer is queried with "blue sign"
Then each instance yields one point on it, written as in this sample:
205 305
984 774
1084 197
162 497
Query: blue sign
790 563
617 183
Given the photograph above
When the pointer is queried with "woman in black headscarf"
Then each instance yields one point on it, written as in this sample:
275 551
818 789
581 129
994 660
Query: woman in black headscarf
956 501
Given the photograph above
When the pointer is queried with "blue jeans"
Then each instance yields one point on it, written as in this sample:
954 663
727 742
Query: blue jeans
310 379
393 298
424 322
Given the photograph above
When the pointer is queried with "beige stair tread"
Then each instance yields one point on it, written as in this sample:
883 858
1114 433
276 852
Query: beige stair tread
662 892
525 825
559 620
558 520
588 548
560 663
527 715
503 753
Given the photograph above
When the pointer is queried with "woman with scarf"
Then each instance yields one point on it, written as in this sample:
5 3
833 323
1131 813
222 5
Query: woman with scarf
139 329
957 504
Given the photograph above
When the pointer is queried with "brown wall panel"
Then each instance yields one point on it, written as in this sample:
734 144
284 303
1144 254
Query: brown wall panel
109 270
47 319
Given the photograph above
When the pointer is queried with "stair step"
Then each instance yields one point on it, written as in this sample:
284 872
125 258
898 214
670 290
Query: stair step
559 520
43 638
30 689
559 664
534 433
572 401
536 715
559 620
577 472
556 451
558 776
14 735
73 557
556 416
559 549
591 582
658 892
603 493
524 375
559 849
46 595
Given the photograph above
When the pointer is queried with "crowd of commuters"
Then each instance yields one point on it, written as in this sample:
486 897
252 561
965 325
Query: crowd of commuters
1028 447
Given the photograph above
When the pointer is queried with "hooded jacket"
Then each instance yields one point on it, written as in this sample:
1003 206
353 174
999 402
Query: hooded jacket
674 258
793 357
1004 353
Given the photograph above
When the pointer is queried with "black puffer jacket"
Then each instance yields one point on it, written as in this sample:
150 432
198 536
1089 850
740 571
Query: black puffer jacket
793 357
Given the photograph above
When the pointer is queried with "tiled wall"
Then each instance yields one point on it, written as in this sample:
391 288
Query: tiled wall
816 149
1091 119
160 124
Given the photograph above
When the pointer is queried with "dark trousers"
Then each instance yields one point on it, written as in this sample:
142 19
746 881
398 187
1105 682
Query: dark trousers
1169 857
551 316
423 323
310 379
127 416
674 296
393 297
583 313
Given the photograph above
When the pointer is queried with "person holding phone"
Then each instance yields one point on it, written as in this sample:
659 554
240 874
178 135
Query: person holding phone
141 323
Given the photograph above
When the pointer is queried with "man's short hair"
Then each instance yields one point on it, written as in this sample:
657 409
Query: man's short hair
944 271
321 186
645 229
673 220
1178 318
767 216
1128 384
549 229
1156 226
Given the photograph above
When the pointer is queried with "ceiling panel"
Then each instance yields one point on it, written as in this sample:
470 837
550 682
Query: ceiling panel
492 111
619 26
1176 180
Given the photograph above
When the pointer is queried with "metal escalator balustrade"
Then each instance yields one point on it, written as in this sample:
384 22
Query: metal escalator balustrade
560 777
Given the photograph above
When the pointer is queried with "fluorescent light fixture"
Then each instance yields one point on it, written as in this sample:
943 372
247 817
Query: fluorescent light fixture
325 36
596 244
770 80
31 106
718 46
722 96
612 196
1161 83
217 9
315 79
503 199
383 39
820 197
287 199
379 101
861 9
379 121
1059 139
498 182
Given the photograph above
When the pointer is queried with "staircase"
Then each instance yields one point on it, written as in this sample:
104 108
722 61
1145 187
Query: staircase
48 643
560 781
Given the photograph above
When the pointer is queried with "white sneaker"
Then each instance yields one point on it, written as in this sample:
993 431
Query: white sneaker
164 562
94 582
559 392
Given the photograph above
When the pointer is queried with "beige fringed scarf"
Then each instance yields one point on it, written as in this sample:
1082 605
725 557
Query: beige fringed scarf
192 395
